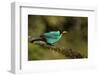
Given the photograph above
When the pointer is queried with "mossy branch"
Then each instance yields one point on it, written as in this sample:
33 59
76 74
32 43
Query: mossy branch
69 53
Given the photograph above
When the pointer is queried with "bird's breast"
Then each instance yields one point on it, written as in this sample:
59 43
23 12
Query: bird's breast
52 40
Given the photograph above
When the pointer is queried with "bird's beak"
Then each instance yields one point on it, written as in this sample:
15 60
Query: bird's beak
64 32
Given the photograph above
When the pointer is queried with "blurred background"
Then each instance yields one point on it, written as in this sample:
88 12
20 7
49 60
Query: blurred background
76 38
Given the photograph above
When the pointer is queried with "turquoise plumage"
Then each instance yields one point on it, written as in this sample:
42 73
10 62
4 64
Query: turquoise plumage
52 37
49 38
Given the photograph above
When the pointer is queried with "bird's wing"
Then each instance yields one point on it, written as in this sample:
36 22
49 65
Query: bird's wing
51 34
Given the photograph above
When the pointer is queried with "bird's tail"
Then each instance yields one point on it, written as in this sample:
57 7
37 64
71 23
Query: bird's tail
33 39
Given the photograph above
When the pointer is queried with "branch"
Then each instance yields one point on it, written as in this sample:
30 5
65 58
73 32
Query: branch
68 52
65 51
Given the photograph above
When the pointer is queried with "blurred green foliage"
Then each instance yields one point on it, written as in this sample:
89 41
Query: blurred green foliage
76 38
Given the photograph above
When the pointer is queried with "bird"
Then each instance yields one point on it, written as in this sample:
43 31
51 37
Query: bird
50 38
